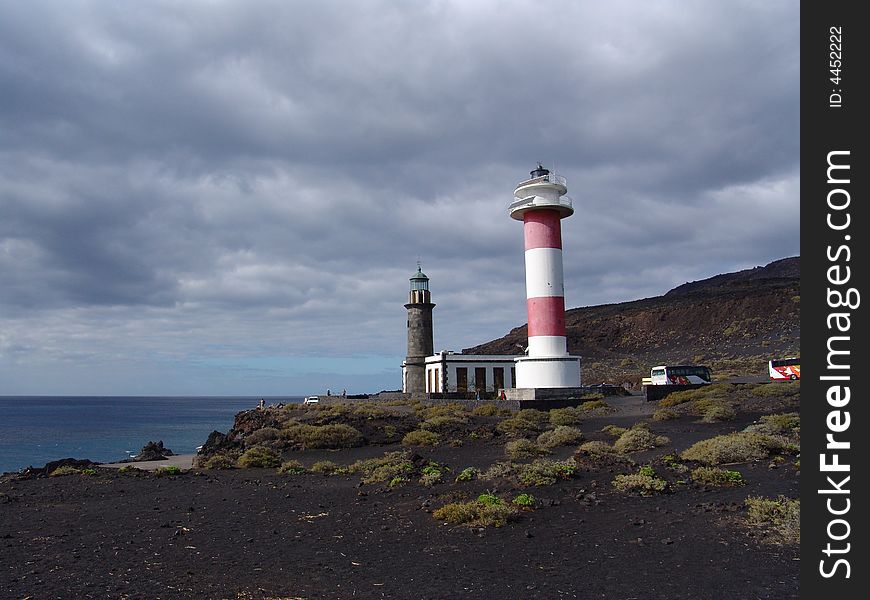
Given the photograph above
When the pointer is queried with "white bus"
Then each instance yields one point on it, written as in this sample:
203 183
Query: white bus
680 375
784 369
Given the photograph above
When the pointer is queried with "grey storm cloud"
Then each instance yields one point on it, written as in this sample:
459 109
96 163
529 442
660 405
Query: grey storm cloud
190 191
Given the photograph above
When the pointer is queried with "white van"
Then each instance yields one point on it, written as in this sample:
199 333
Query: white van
311 400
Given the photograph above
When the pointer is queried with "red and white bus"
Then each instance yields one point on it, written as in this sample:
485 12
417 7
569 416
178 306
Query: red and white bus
784 369
680 375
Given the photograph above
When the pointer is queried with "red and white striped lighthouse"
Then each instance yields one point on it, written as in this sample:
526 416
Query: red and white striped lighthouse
540 203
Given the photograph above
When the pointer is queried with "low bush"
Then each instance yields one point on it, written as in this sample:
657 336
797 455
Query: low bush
326 467
476 514
613 430
598 405
384 468
523 448
421 437
65 470
337 435
672 462
645 481
467 474
291 467
716 390
489 499
712 410
452 409
735 447
499 470
167 471
545 472
566 416
538 417
258 457
781 517
431 474
444 423
260 436
218 461
129 469
713 476
665 414
562 435
596 447
524 501
518 426
638 438
491 410
777 424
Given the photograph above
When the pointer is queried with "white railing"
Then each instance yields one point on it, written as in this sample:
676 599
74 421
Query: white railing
548 178
530 201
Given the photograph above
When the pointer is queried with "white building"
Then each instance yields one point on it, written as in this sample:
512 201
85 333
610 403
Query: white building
449 372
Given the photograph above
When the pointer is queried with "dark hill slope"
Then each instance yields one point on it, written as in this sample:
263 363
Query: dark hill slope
734 322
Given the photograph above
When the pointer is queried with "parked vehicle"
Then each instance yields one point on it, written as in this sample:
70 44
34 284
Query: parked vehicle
784 369
680 375
311 400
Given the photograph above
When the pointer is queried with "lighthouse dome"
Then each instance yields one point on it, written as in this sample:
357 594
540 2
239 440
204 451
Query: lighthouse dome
419 281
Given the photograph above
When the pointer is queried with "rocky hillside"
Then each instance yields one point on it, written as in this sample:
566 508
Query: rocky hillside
733 322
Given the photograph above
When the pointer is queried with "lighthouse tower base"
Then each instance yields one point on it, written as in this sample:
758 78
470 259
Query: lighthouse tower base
548 372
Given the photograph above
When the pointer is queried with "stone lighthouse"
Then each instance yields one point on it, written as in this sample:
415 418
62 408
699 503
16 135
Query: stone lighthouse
420 343
540 203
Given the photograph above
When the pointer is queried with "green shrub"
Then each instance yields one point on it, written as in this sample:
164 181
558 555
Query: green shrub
562 435
258 457
735 447
167 471
444 423
260 436
518 426
782 517
327 467
489 499
538 417
476 514
421 437
566 416
523 448
384 468
712 410
431 474
716 390
638 438
397 481
545 472
127 469
453 409
337 435
65 470
672 462
645 481
665 414
218 461
291 467
777 424
499 470
524 501
597 404
596 447
713 476
613 430
467 474
491 410
370 410
89 472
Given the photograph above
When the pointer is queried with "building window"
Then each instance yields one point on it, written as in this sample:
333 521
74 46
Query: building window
437 384
461 379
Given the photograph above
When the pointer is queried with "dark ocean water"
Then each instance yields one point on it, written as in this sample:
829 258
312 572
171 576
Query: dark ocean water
37 429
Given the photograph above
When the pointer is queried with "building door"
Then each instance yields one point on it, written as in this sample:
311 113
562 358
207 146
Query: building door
461 379
480 379
498 378
513 377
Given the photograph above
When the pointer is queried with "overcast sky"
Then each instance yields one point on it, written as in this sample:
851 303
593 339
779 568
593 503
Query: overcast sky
228 198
